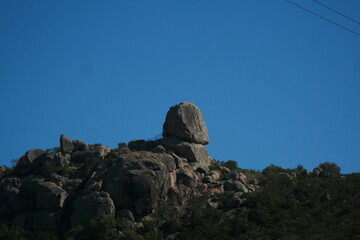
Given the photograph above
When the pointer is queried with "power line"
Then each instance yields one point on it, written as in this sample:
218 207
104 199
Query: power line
324 18
334 10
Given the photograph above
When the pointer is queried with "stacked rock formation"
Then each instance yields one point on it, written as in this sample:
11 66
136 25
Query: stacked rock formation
57 190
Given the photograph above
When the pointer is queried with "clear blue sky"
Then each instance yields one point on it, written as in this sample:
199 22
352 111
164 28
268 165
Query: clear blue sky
276 84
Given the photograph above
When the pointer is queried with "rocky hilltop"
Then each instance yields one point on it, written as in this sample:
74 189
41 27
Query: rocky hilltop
56 190
170 188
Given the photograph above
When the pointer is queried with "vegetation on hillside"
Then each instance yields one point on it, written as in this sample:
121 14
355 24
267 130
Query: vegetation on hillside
292 204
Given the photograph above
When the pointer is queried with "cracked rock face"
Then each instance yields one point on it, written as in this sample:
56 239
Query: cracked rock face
186 122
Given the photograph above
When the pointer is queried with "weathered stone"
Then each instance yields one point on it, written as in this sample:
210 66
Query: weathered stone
252 180
92 205
224 170
186 177
82 156
29 157
235 186
185 121
43 195
168 160
237 176
159 149
9 195
200 167
141 145
191 151
135 181
180 162
66 144
144 191
215 175
80 146
67 184
40 162
62 160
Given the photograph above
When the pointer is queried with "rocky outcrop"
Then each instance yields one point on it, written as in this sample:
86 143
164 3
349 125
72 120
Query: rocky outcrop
56 190
191 151
66 144
43 195
29 157
137 181
91 205
186 122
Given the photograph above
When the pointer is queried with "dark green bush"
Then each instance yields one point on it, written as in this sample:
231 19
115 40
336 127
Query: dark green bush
230 164
331 168
122 145
102 228
11 233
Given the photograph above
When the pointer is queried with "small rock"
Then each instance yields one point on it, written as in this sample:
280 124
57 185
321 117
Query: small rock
159 149
225 170
235 186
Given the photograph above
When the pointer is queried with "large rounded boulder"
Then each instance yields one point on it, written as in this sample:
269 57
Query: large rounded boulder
185 121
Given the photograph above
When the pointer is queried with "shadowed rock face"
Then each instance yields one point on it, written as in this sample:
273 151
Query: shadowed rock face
186 122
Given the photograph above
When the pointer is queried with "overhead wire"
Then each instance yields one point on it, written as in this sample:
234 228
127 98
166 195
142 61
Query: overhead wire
324 18
334 10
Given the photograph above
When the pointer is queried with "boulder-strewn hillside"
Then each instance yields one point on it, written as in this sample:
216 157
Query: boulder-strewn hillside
169 188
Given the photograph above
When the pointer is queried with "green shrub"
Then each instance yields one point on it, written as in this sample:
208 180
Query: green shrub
132 235
47 236
331 168
11 233
230 164
122 145
102 228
